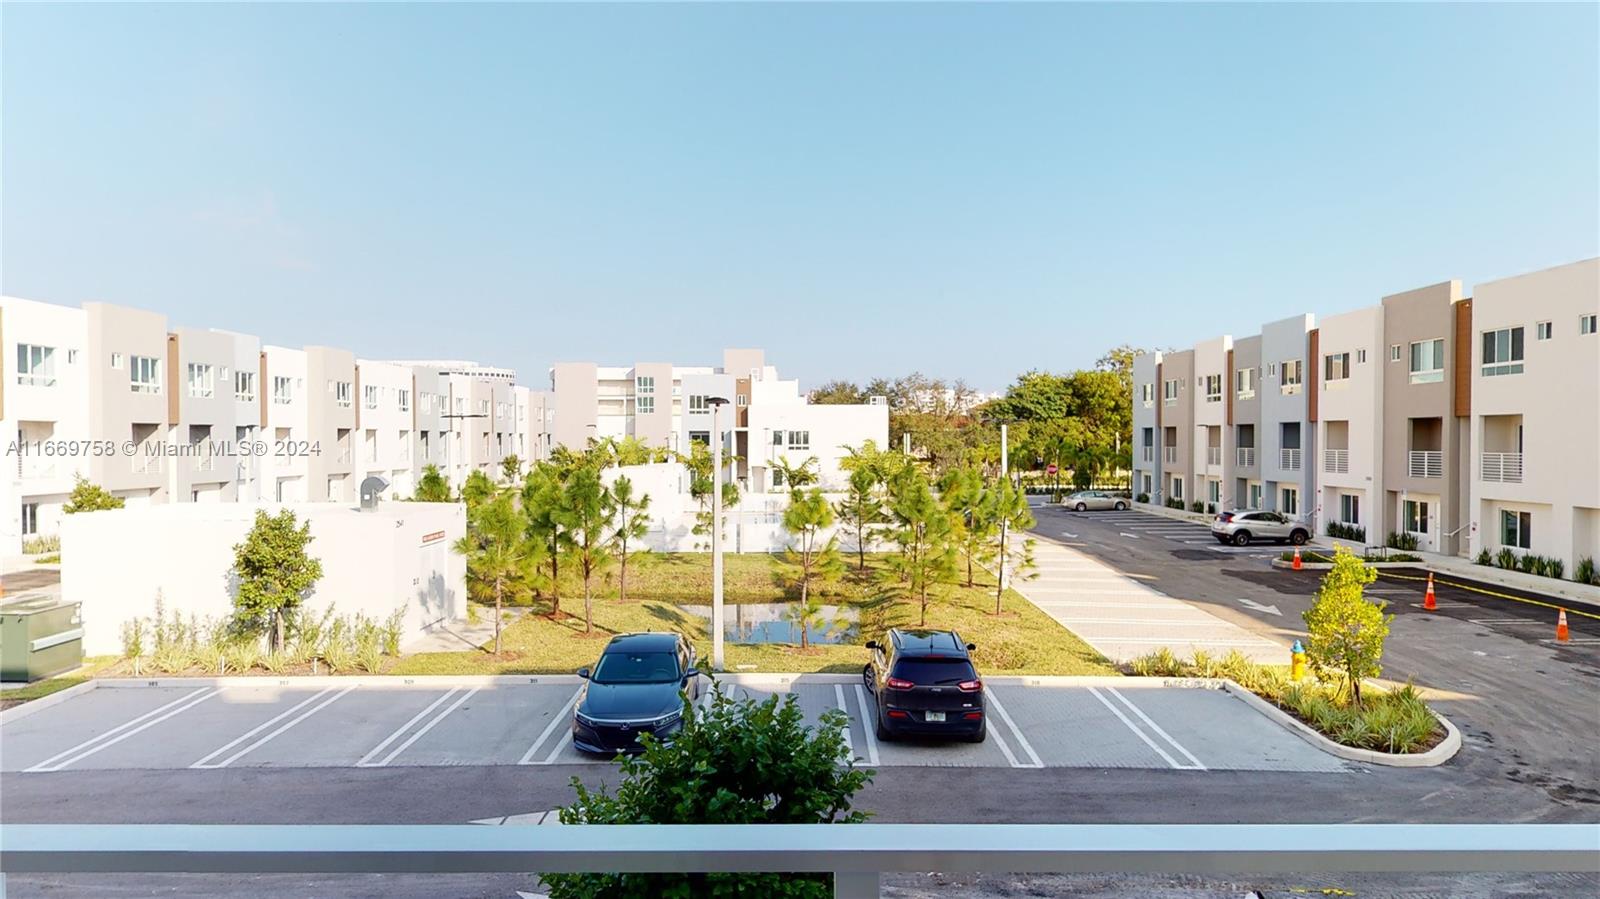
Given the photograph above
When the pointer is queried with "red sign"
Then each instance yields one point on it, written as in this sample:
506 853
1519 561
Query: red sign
434 537
1050 469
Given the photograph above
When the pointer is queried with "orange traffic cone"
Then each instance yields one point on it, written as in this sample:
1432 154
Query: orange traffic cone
1562 634
1297 558
1428 601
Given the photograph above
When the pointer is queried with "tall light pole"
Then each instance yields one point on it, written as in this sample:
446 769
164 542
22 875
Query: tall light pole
1005 475
716 402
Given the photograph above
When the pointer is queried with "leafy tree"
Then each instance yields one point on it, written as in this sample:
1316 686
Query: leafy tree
812 561
477 489
500 557
90 497
588 506
275 574
1007 505
1345 632
544 504
838 393
806 615
511 468
797 477
861 510
925 532
432 487
963 494
700 486
632 522
738 762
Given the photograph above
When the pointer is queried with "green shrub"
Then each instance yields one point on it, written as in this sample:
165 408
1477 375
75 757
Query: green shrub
738 762
1528 563
1484 558
393 628
1344 631
1197 506
1399 540
1161 663
276 661
43 543
1556 568
133 642
1506 559
1143 497
243 654
1584 572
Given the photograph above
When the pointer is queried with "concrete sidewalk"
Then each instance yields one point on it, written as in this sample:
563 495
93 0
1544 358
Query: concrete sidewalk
1123 618
460 636
1489 574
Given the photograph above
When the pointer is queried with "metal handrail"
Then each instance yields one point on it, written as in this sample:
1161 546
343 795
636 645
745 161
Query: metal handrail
855 854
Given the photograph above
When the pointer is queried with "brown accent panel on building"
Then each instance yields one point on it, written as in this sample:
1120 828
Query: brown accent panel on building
356 400
172 379
1313 371
741 414
1463 360
1227 390
261 393
1160 391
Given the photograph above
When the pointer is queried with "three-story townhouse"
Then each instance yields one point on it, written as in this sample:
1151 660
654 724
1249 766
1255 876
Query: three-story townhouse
431 427
44 400
287 432
1287 460
204 413
129 386
331 390
1211 444
1177 426
1344 406
385 426
1147 426
1244 423
1534 365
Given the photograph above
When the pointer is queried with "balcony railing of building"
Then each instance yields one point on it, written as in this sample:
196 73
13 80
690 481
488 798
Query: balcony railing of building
1169 454
1425 463
1213 455
1289 459
1336 460
1149 453
1245 456
856 855
145 461
35 467
1505 468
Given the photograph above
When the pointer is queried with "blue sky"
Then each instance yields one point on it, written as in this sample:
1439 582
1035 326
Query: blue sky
861 189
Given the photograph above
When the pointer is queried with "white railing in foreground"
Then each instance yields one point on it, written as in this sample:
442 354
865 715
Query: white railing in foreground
856 854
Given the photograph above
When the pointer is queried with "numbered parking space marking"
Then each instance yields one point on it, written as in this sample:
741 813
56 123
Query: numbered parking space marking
330 700
1022 741
555 722
205 761
118 734
867 729
1095 691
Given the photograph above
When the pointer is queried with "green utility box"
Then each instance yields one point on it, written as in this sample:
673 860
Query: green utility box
39 637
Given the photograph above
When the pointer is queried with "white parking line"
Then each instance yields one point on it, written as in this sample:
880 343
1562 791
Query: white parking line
867 729
527 757
405 727
563 743
273 735
426 727
1156 727
259 728
1022 741
95 744
1130 536
1133 727
838 699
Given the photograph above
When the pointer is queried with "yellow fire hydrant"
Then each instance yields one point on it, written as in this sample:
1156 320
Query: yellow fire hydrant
1297 661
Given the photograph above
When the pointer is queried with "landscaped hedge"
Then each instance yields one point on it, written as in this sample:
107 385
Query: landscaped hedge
1544 566
1347 531
1399 540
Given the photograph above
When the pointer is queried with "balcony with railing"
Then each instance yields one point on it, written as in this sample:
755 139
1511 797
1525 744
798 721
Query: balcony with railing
1336 461
1504 468
204 462
1245 456
1213 455
1149 453
1289 459
1170 454
1425 463
145 460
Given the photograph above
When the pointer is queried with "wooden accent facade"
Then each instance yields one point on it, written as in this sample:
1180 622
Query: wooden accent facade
1160 397
1463 359
261 394
1227 390
172 379
1312 374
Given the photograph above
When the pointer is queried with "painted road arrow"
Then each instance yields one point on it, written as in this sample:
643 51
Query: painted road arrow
1270 610
1129 536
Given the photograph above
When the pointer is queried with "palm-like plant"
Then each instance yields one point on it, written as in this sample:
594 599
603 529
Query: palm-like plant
631 521
432 486
797 477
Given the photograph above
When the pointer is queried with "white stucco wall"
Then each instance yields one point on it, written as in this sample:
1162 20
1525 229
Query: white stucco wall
398 557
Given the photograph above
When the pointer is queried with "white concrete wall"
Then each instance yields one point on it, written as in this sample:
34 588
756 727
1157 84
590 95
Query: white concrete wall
832 428
398 557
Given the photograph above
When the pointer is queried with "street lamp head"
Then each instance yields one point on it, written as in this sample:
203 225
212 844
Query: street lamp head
717 400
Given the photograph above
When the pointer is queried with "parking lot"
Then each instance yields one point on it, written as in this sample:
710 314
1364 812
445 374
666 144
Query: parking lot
1138 525
235 723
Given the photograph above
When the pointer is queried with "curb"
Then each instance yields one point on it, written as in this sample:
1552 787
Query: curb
1328 566
1438 755
1181 515
44 702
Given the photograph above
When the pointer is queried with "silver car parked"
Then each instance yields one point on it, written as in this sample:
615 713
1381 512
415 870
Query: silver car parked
1241 526
1094 500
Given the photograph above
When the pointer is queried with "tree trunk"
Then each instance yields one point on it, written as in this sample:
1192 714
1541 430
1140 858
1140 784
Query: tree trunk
924 595
861 547
555 578
622 576
999 578
277 631
497 593
588 605
969 568
1355 689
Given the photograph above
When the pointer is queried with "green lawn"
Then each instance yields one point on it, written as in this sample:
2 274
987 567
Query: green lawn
42 688
1021 641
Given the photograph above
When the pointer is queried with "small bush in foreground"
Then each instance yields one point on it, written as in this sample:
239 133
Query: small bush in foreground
738 762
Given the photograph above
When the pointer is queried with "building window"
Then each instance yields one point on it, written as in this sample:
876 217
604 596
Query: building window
1587 323
1542 331
403 399
1361 357
1213 388
1177 488
777 438
799 440
1502 352
1244 383
116 361
1169 391
1416 516
1394 352
1293 375
1255 496
1427 361
1350 509
1289 501
144 374
244 386
644 384
1336 367
698 403
740 400
700 437
36 365
202 381
1214 491
645 405
282 391
1272 369
1516 529
30 519
369 396
1147 394
483 407
777 477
